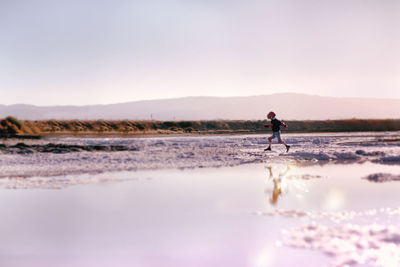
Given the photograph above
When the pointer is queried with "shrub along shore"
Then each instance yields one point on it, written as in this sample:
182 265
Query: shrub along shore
12 127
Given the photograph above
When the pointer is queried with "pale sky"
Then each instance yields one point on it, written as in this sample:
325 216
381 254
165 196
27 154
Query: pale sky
98 52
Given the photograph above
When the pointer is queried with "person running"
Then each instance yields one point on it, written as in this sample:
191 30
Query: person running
276 130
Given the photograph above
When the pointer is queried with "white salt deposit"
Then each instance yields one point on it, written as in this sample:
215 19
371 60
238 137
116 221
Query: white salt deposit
350 244
193 152
336 217
55 182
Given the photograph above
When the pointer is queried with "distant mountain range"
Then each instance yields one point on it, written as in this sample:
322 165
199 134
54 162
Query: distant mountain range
288 106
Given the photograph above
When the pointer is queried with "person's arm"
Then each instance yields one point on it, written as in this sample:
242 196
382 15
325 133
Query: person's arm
267 125
284 124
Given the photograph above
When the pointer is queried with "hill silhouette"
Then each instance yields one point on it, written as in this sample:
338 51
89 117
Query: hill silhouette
288 106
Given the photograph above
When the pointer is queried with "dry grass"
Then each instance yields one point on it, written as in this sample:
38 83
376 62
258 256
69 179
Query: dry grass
11 126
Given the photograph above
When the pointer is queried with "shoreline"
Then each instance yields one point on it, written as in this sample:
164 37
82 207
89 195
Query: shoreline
178 134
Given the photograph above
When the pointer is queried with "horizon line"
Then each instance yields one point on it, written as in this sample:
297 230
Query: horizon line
198 96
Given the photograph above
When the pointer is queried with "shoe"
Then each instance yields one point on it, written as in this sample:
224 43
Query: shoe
287 148
268 148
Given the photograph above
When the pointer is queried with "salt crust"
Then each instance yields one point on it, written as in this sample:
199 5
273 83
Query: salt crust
347 243
192 152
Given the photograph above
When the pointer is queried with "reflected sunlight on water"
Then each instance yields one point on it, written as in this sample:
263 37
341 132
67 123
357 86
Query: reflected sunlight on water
203 217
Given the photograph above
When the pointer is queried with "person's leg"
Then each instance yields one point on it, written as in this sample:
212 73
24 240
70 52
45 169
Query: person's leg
270 171
278 135
287 147
271 137
270 141
283 142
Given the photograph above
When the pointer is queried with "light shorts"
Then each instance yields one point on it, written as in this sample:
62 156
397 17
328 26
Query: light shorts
277 135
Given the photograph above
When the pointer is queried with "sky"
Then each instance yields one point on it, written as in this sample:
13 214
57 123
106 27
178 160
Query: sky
81 52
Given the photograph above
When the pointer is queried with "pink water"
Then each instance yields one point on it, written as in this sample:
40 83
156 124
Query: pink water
200 217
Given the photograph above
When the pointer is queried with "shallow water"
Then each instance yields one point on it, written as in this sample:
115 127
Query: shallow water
249 215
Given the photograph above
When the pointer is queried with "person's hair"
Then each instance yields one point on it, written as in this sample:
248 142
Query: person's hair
271 114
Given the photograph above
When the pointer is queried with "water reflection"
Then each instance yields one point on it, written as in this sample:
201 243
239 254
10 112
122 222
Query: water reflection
283 177
277 183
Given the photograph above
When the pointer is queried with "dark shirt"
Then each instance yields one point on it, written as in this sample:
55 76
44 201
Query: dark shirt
276 125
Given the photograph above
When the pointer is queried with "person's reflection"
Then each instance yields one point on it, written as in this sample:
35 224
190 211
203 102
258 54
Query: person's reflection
277 181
